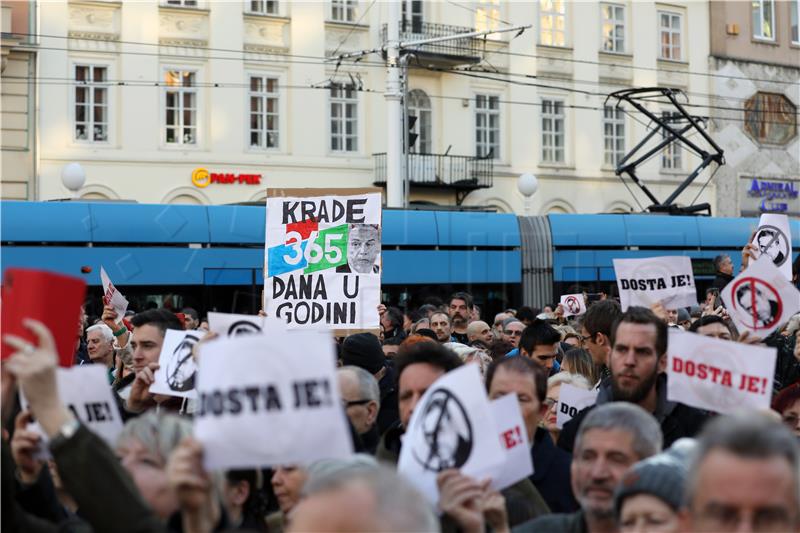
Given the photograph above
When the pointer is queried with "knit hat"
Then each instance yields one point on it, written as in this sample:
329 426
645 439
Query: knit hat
363 350
683 315
662 476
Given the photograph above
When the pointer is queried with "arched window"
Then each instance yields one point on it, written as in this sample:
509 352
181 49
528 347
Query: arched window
419 105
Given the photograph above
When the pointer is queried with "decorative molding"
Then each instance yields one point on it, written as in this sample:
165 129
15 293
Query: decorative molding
264 33
183 28
94 18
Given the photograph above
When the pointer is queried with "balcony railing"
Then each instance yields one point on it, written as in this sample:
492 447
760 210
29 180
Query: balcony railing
459 172
466 48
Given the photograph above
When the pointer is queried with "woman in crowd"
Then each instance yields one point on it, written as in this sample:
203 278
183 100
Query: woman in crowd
470 354
287 482
578 361
787 404
551 400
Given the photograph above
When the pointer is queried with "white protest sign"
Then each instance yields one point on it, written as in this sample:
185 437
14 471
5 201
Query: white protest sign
452 427
774 238
644 282
518 463
760 299
233 325
112 297
270 400
323 259
718 375
87 394
177 372
573 304
571 401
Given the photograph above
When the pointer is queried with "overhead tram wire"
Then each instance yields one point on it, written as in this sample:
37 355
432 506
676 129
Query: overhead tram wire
462 6
349 33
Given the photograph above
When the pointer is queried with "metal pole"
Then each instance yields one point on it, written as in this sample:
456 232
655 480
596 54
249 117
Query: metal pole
394 111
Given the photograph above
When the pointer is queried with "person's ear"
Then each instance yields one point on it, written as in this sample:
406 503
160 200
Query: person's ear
372 412
524 353
662 363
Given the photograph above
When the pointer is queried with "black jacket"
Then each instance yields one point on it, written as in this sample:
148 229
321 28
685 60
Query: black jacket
551 474
677 420
555 523
721 280
389 412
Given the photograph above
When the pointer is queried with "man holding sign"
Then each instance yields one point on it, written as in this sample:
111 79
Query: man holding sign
637 361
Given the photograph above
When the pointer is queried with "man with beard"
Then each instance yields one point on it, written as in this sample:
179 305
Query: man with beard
611 439
637 362
460 310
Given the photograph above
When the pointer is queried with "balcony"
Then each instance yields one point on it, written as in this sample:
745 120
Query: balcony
445 54
459 173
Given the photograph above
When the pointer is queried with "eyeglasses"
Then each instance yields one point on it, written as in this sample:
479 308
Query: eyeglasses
354 402
550 402
512 333
585 338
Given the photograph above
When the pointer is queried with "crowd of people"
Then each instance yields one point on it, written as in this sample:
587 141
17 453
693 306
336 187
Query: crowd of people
634 461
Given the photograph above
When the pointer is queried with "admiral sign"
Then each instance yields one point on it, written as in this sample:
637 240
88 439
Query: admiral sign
770 196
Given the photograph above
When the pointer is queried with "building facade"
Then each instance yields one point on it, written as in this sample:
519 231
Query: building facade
755 60
212 102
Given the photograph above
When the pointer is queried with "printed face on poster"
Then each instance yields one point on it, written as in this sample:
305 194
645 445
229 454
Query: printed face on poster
233 325
323 259
773 238
177 370
269 400
573 304
718 375
760 299
644 282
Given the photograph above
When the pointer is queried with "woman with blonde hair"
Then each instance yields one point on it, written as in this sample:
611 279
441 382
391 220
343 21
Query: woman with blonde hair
551 399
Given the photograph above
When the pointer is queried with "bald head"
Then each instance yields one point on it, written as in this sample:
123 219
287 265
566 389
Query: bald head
479 331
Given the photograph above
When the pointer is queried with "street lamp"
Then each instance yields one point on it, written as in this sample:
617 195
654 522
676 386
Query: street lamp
73 177
527 185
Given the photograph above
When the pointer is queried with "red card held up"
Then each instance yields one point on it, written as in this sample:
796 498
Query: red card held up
53 299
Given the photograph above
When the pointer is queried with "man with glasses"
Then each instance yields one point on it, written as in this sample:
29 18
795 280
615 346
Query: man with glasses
512 331
596 332
361 397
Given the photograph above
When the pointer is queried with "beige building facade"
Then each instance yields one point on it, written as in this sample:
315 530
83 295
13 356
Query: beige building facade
198 101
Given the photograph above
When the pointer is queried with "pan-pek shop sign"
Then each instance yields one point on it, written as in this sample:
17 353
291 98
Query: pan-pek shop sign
202 178
769 195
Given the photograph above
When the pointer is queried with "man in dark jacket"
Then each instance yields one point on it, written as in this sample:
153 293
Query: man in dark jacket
637 362
723 266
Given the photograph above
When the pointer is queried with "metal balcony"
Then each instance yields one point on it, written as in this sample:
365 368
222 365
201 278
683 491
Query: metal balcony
460 173
442 54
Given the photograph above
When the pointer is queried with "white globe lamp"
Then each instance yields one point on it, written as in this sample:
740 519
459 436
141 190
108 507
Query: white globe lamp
527 185
73 177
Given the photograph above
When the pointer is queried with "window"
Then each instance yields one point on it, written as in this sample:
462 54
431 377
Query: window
344 118
552 15
264 115
671 154
263 7
180 120
344 10
669 30
794 9
613 28
181 3
613 135
487 126
414 24
91 103
553 131
770 118
487 16
764 19
419 105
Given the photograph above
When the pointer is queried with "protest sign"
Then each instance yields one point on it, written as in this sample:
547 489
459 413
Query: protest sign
233 325
112 297
270 400
644 282
323 258
573 304
718 375
774 239
760 299
452 427
53 299
571 401
177 372
86 393
517 463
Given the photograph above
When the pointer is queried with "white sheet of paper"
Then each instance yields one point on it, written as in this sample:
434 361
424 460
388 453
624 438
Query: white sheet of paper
233 325
270 400
111 296
177 372
645 282
571 401
454 413
87 394
518 463
760 299
718 375
773 237
573 304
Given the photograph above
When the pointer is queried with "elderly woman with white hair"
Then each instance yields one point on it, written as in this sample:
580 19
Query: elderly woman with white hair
470 354
554 384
